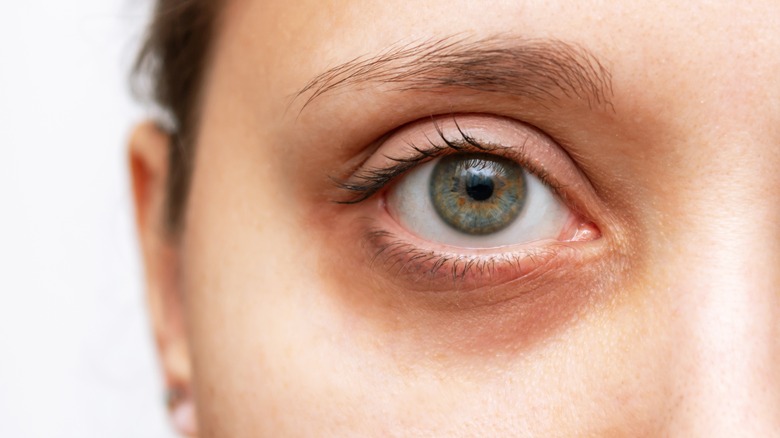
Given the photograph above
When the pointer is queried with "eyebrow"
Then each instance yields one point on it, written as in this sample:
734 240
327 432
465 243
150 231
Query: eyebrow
541 70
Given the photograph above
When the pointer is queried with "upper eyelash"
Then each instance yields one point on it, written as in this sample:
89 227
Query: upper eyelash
367 182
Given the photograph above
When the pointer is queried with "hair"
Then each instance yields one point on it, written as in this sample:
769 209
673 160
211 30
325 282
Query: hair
169 71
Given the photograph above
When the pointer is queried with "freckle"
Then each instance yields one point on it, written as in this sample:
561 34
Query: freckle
440 357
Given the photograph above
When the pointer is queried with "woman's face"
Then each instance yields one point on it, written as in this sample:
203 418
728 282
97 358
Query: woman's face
598 255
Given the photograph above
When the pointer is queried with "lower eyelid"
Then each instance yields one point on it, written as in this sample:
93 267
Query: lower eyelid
423 265
418 267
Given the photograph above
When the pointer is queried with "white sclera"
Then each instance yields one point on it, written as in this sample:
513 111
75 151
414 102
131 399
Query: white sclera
543 216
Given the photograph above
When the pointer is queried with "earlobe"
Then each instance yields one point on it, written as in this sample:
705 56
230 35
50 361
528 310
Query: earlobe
148 156
182 410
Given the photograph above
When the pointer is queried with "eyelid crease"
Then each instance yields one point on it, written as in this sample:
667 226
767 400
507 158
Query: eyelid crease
365 183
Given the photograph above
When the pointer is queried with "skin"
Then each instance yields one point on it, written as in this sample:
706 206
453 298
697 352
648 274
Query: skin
271 320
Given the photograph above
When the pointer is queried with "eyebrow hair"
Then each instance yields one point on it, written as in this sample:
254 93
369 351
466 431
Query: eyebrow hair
541 70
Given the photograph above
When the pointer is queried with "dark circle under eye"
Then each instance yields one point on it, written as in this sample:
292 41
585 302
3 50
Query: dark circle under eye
477 193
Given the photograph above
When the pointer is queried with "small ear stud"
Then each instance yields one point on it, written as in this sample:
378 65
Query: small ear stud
182 411
172 397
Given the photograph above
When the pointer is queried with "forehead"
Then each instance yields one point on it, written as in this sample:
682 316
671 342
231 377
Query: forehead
289 43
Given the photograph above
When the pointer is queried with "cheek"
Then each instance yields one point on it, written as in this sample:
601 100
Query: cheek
273 340
290 336
268 346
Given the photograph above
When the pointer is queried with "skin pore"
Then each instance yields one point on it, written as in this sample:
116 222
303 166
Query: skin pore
281 310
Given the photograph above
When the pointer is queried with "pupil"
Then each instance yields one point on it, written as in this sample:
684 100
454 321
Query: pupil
480 189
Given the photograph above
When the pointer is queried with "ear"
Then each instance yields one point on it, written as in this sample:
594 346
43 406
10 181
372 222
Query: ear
148 154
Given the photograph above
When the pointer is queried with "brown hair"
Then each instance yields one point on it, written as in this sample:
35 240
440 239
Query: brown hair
169 71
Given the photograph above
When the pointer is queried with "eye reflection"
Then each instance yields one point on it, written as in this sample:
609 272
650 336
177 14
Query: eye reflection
477 193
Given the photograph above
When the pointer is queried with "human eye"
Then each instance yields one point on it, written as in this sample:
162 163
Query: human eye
476 200
471 197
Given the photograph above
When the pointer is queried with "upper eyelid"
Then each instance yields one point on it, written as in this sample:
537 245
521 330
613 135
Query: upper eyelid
374 179
366 181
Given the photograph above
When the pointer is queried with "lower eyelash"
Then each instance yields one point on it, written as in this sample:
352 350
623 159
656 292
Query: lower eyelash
402 258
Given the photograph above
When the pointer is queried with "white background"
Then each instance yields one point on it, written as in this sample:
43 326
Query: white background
76 356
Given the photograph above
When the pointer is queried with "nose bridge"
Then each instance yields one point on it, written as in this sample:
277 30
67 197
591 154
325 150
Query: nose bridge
724 272
726 355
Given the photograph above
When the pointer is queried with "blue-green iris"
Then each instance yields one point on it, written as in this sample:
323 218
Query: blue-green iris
477 193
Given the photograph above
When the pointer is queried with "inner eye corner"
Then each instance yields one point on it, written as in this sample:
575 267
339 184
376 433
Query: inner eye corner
586 231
